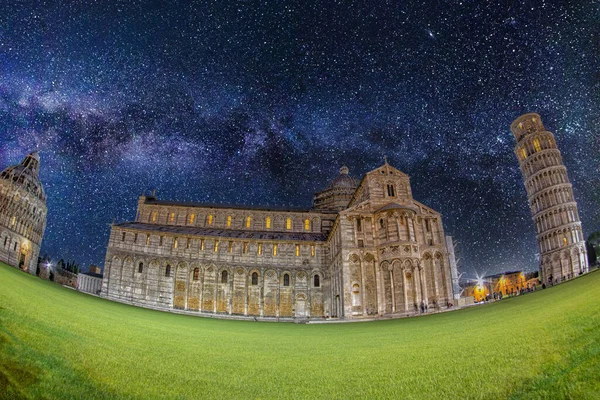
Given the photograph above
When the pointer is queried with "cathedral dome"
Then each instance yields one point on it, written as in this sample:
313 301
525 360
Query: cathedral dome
26 174
343 181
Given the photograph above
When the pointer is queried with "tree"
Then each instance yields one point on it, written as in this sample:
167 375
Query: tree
593 247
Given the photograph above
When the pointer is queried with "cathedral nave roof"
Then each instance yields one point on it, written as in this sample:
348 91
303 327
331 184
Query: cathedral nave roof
227 233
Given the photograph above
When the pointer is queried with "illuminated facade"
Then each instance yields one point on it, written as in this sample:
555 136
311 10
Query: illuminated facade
553 207
22 214
364 249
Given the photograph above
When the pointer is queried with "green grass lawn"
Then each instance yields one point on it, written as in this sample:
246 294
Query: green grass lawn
58 343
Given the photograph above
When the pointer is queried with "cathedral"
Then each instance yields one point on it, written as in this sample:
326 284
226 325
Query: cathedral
365 249
22 214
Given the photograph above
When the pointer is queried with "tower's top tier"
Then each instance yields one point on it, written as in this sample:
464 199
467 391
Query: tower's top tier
526 124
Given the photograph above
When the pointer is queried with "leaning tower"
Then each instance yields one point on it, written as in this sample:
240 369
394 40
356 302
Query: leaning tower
553 207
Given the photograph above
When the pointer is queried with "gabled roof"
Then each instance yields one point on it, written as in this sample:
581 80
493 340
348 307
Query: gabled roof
389 170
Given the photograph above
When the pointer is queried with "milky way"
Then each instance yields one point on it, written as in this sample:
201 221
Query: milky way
261 103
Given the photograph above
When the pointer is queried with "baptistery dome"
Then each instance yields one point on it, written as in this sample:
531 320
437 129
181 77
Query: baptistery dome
22 213
26 175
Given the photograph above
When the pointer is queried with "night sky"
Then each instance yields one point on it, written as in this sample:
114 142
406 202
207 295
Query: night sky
262 102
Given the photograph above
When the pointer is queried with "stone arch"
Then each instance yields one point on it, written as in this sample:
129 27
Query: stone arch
238 295
209 287
223 289
194 287
270 291
300 305
180 285
113 276
255 291
386 277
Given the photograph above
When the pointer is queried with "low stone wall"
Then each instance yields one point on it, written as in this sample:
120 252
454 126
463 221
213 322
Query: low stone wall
66 278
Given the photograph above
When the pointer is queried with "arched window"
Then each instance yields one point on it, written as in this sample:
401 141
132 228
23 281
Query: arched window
268 223
192 219
358 226
275 249
224 277
154 216
168 270
254 279
381 223
317 281
196 273
564 241
216 246
536 144
523 153
141 268
229 221
147 240
209 219
312 250
390 190
288 223
123 237
307 224
172 217
286 280
355 295
259 250
248 222
175 243
297 250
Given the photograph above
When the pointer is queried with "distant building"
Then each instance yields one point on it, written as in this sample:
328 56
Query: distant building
504 283
553 207
90 282
22 214
365 248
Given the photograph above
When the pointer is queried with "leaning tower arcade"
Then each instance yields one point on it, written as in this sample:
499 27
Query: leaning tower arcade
553 207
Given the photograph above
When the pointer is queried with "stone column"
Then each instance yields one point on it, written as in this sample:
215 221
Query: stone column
246 293
216 292
310 282
362 288
424 285
278 293
392 289
261 298
380 290
417 285
404 289
230 297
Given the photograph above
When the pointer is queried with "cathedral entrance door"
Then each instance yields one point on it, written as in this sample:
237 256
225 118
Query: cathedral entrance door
300 306
21 260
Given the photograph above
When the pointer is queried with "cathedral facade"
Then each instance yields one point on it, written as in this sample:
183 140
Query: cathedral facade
365 249
22 214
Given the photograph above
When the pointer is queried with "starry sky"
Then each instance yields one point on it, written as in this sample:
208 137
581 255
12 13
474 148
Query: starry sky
262 102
